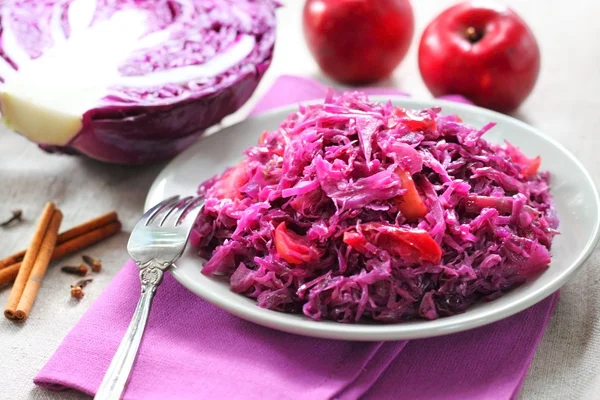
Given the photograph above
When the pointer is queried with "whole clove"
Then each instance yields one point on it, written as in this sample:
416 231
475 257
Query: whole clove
95 264
77 292
77 288
17 216
80 270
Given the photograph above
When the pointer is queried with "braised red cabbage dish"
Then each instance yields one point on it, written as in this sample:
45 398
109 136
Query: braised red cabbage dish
353 210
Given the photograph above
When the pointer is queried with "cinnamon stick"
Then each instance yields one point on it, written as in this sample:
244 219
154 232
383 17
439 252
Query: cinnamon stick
12 259
74 232
39 268
29 260
87 227
9 273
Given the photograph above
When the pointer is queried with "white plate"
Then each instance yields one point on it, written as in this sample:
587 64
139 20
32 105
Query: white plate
576 199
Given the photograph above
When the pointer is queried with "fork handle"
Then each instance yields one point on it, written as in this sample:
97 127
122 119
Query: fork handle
116 377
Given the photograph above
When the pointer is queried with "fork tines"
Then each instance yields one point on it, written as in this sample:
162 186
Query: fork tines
171 211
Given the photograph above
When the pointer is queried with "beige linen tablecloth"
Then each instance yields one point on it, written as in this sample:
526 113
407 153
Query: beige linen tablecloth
565 105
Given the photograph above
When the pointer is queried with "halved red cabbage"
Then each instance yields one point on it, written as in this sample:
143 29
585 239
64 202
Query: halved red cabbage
129 81
313 220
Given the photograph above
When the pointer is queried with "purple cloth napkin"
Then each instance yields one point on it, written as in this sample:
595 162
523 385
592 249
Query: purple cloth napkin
193 350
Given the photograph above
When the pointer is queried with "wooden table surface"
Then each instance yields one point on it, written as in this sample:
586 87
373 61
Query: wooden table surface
565 104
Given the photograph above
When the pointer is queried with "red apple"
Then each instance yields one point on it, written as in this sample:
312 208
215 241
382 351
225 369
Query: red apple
358 41
483 51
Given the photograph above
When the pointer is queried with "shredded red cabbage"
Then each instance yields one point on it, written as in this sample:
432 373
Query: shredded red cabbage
353 210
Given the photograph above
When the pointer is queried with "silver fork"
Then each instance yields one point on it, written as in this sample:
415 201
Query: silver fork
157 241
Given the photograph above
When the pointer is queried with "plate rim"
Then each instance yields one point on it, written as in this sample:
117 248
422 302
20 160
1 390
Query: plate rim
384 332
